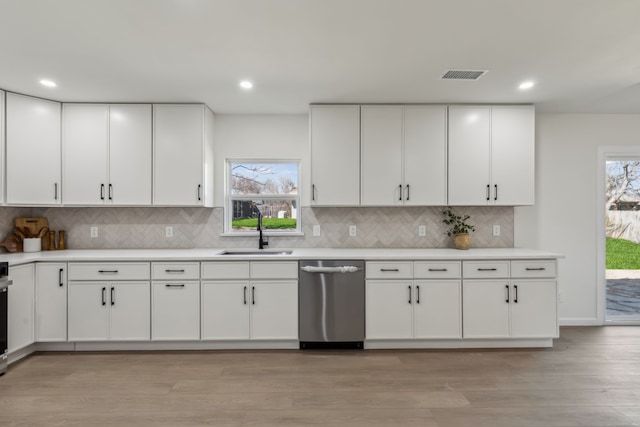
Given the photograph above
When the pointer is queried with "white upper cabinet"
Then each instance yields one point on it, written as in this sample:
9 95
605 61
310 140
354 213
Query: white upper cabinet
425 155
491 155
86 146
335 155
107 154
381 128
513 155
33 151
183 155
403 155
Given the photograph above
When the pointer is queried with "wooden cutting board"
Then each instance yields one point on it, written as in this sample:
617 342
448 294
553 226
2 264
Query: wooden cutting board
35 225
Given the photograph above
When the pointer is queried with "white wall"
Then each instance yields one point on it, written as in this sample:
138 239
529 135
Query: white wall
564 218
262 136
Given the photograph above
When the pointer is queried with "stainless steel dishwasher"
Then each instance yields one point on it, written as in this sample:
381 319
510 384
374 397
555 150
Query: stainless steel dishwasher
331 304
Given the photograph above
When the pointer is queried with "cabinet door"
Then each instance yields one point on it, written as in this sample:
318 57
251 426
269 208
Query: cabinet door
469 155
130 146
381 156
178 153
274 310
335 155
51 302
534 309
130 304
175 311
225 310
85 140
485 309
512 155
425 156
437 309
389 309
2 146
21 296
88 311
33 151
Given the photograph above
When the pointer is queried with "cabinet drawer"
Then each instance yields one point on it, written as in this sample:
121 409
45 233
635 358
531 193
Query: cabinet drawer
274 270
533 268
437 270
109 271
485 269
389 270
225 270
175 271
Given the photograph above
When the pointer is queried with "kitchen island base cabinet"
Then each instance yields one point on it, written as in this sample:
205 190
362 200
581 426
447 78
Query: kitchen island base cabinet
264 310
101 311
175 312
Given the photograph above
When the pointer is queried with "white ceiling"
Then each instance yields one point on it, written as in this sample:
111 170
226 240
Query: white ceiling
584 55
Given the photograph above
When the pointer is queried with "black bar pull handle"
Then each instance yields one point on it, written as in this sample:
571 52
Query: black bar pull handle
245 296
488 191
438 269
409 294
407 192
199 188
400 187
174 271
507 286
487 269
535 269
253 295
495 195
515 297
108 271
101 191
389 269
417 294
313 192
55 191
104 296
113 296
174 285
110 192
60 277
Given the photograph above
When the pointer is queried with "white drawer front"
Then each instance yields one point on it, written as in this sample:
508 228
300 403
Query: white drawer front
437 270
175 271
485 269
225 270
109 271
389 270
274 270
533 268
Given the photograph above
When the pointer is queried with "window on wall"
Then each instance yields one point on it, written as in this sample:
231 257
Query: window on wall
269 188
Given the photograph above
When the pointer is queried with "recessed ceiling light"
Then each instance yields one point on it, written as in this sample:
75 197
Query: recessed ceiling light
246 84
48 83
526 85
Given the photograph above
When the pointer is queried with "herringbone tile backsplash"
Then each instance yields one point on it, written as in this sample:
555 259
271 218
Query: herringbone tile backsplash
131 228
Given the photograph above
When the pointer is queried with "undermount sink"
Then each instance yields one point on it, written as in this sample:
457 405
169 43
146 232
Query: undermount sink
254 252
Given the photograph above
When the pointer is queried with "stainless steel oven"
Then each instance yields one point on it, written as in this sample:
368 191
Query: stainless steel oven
4 305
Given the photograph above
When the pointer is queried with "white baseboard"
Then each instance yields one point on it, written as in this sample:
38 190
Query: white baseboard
461 343
580 321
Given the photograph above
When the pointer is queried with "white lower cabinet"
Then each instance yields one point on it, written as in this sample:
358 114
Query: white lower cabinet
21 307
511 307
51 302
175 311
437 309
389 309
100 311
259 310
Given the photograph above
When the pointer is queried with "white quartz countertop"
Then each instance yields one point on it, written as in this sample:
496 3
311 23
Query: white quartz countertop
214 254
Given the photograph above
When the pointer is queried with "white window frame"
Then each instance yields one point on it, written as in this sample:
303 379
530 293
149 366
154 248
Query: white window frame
229 198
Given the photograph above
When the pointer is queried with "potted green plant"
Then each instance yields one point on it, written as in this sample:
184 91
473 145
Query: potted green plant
458 228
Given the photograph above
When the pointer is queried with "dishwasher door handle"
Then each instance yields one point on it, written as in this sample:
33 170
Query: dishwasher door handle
340 269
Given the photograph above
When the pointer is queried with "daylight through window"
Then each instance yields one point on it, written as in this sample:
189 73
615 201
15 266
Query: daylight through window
269 188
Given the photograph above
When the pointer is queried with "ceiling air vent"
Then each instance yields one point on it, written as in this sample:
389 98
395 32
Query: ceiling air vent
463 74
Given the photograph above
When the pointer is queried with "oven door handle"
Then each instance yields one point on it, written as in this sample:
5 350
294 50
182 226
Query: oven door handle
4 284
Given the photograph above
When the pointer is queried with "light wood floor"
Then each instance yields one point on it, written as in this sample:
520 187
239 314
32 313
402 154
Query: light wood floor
590 378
